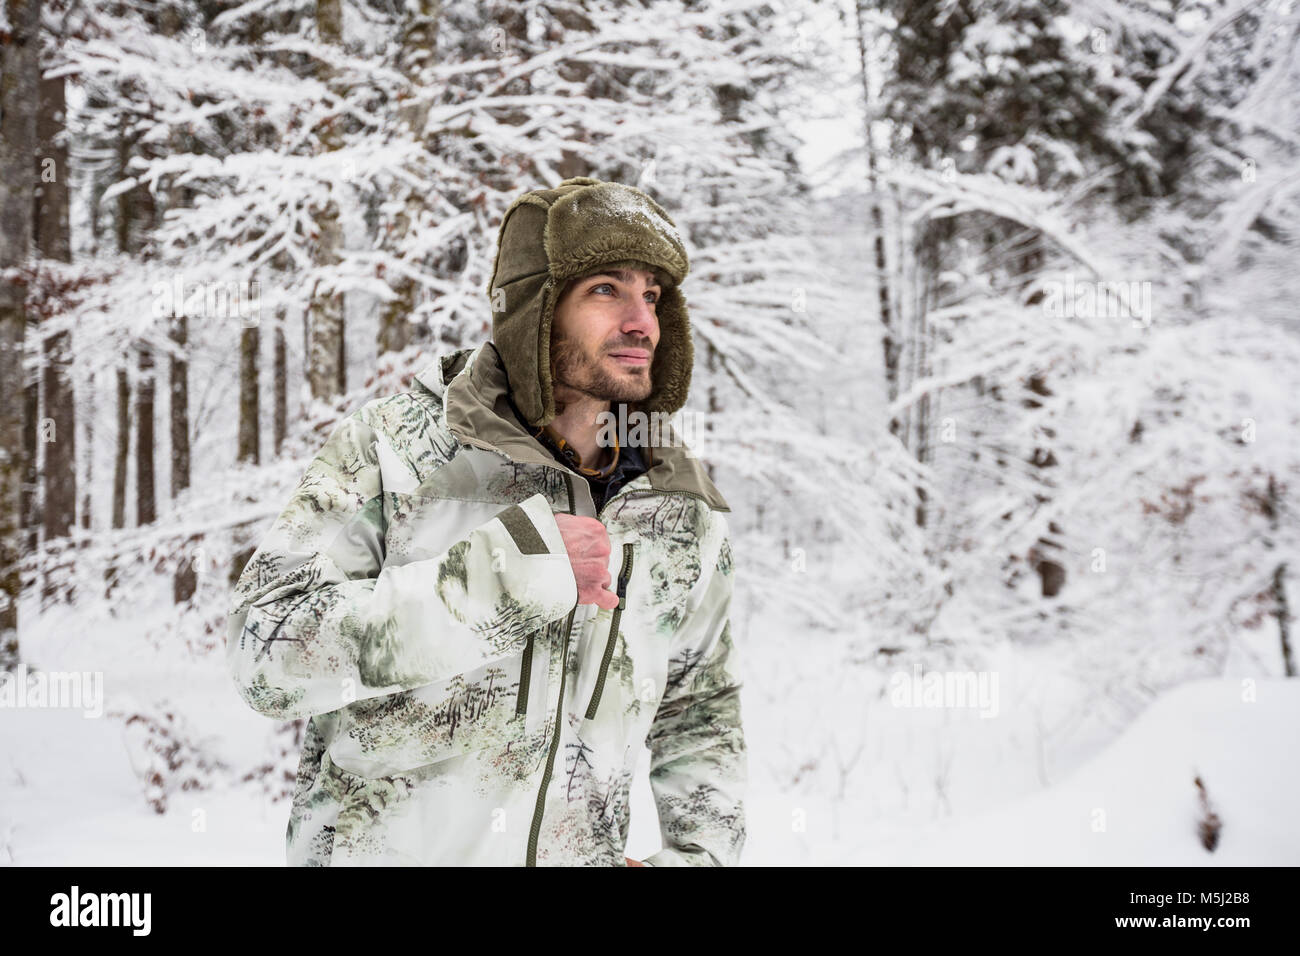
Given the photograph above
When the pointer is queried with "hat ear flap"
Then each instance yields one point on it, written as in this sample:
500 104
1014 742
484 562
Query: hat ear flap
550 294
674 355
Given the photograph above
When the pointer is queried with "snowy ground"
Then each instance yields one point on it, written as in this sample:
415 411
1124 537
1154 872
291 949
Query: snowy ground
1136 803
839 774
1133 804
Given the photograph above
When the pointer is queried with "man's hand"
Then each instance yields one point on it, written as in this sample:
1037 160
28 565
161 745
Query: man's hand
587 542
632 862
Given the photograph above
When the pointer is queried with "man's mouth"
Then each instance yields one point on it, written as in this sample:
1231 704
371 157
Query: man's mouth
632 356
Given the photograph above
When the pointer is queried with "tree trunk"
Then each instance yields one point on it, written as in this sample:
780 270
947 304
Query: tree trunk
140 214
394 315
419 40
890 342
326 369
179 332
20 69
1281 607
31 499
59 509
249 406
926 260
122 227
179 401
60 506
1046 551
325 361
123 448
185 579
414 59
1283 613
714 404
146 502
280 385
89 455
928 300
1051 572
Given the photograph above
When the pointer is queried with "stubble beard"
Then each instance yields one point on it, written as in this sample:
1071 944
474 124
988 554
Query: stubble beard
572 368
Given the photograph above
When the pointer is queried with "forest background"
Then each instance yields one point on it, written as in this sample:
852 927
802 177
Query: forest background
994 306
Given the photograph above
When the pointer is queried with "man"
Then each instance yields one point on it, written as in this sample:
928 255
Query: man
483 607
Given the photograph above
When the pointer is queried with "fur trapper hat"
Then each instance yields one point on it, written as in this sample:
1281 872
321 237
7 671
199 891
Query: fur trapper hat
584 225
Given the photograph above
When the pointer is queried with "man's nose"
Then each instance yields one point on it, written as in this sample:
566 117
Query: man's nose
640 317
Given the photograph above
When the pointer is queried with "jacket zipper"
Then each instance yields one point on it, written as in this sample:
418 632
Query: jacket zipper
568 626
625 572
525 677
531 859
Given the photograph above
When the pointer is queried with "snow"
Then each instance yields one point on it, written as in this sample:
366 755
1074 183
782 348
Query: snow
1135 803
633 209
1171 504
880 784
69 798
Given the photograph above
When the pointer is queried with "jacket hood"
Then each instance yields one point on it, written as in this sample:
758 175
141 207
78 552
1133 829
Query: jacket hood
549 236
472 386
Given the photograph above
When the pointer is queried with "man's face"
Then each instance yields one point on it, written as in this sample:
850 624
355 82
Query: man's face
604 334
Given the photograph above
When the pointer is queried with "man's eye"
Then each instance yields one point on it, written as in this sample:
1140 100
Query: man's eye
610 287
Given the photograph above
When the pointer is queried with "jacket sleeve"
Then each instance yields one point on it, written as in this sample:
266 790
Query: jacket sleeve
698 760
318 621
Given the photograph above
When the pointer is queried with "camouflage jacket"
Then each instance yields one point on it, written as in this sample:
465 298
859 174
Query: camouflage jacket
415 602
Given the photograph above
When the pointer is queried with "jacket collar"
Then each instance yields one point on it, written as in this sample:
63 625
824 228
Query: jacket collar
472 386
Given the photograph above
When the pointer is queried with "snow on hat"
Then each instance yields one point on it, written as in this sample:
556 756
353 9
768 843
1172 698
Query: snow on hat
584 225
